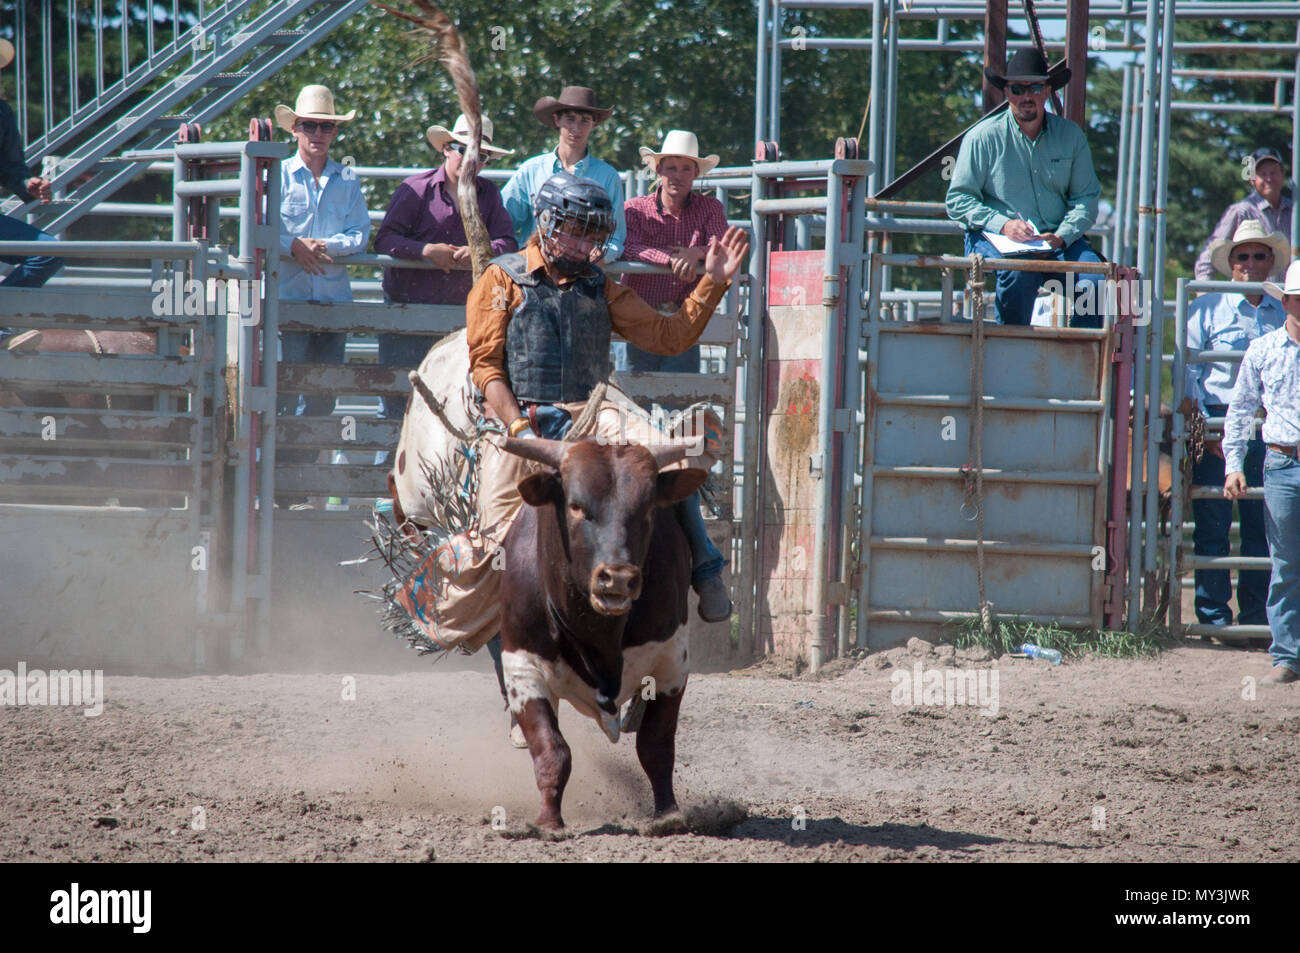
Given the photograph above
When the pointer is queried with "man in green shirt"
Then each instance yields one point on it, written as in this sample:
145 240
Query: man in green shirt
1028 175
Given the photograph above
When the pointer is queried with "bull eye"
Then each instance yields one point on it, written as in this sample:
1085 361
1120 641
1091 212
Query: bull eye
577 512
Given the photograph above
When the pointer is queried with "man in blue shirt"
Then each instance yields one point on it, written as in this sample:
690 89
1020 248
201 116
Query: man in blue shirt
32 271
1028 175
574 114
1226 321
323 216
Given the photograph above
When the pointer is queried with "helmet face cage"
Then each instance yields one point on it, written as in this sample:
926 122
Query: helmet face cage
568 207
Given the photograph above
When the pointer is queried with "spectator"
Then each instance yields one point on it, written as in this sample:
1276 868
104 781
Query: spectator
1266 205
323 216
1270 377
1027 175
423 222
32 271
574 114
672 227
1226 321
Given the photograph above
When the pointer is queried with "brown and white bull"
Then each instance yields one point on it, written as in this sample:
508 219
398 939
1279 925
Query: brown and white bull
597 570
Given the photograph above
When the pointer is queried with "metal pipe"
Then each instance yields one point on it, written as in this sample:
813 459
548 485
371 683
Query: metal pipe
1121 193
890 144
875 98
811 203
760 73
774 75
1138 445
1295 145
975 46
822 468
1155 366
872 374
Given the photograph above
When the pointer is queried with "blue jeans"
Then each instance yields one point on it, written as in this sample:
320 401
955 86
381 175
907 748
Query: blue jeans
1018 289
1282 523
34 271
1210 538
309 347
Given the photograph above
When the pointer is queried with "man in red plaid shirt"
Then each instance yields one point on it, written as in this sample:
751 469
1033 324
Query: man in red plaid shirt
671 227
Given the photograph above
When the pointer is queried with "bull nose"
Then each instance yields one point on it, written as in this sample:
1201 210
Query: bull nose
610 579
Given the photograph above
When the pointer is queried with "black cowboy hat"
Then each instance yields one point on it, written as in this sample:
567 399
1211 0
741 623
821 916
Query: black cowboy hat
571 97
1028 66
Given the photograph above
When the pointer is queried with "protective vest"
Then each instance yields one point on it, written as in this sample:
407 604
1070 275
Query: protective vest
557 342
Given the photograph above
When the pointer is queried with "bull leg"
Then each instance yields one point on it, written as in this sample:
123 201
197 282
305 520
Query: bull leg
656 748
552 760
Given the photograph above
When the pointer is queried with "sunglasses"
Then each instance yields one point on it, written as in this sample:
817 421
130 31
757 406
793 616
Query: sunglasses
1247 256
1019 89
310 127
461 148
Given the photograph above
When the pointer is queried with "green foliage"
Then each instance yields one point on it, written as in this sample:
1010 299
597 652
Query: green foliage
1009 634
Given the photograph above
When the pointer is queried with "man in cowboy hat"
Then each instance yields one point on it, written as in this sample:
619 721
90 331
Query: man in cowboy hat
32 271
574 114
1028 175
423 222
1270 377
671 227
323 216
1228 321
1266 205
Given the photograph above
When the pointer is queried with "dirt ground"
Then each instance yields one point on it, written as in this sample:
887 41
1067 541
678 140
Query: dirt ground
1172 758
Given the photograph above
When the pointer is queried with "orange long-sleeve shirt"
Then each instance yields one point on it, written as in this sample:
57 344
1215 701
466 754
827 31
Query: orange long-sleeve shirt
493 301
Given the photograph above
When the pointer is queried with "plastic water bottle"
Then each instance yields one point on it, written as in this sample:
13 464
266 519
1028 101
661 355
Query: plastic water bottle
1037 651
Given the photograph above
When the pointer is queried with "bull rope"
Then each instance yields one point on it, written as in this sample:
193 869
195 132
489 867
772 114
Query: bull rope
974 470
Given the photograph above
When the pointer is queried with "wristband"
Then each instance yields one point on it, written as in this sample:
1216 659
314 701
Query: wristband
518 425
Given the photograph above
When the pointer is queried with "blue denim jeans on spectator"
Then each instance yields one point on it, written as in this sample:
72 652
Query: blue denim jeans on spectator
1282 522
1017 290
688 362
1210 538
32 271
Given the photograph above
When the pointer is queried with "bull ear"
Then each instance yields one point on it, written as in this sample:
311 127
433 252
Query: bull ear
540 489
673 486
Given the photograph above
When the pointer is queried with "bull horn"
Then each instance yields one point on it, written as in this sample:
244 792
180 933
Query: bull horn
673 451
549 452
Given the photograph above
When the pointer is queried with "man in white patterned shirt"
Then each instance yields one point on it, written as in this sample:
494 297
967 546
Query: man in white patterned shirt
1270 376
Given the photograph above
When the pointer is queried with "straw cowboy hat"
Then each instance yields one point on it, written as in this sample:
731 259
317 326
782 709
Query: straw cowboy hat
1248 231
6 53
678 142
571 97
439 136
1290 284
314 102
1027 66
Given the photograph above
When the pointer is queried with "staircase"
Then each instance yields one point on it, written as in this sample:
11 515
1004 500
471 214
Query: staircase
232 49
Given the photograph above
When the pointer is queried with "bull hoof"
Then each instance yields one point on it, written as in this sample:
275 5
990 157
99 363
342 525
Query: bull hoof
668 822
552 823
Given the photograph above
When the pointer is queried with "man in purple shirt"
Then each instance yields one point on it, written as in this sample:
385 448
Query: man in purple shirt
423 222
1266 205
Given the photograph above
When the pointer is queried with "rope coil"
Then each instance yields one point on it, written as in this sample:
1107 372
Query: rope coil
974 469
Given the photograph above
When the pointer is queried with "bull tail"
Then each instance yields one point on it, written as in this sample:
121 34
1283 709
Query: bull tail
447 46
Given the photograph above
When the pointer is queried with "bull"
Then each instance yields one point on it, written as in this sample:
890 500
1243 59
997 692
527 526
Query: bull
594 594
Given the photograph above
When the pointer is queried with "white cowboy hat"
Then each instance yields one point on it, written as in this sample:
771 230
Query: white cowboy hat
6 53
439 136
1249 231
314 102
678 142
1290 284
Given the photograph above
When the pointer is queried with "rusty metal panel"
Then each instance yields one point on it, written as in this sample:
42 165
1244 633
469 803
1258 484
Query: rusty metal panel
341 379
68 308
1018 362
82 430
114 477
115 372
371 317
1043 492
646 387
335 433
337 480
